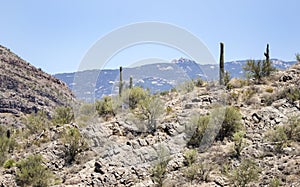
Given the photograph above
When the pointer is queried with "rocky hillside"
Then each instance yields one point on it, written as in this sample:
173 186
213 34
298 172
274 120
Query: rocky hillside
247 134
25 89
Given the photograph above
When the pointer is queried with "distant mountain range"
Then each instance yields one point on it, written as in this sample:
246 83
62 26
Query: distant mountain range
94 84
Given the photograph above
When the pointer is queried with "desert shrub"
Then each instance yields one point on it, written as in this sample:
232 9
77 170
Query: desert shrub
278 137
239 143
159 170
7 144
197 171
32 172
199 82
290 93
231 123
190 157
133 96
282 135
150 109
269 90
228 118
87 109
74 144
169 110
245 173
258 69
9 163
63 115
37 122
293 128
275 182
163 93
227 79
104 107
4 141
196 129
186 86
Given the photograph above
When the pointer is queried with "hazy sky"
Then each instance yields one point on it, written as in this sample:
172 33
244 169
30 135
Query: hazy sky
55 35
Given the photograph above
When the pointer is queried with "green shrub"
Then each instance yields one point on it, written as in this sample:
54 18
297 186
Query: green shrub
231 123
37 122
269 90
104 107
278 137
197 171
227 79
32 172
63 115
293 128
9 163
245 173
190 157
7 144
229 119
239 144
196 130
150 109
186 86
132 97
275 182
159 170
74 143
199 82
258 69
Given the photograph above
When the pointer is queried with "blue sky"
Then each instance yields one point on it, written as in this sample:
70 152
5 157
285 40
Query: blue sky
55 35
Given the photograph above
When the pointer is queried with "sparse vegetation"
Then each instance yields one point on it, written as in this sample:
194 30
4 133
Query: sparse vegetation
190 157
186 86
278 137
7 144
74 144
231 123
159 170
63 115
9 163
131 97
258 69
104 107
239 143
229 119
244 174
32 172
150 109
37 122
282 135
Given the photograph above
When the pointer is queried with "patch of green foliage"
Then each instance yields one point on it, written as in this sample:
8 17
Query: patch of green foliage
32 172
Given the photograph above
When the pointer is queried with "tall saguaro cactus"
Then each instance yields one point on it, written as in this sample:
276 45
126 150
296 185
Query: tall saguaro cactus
267 64
267 55
130 82
121 82
221 63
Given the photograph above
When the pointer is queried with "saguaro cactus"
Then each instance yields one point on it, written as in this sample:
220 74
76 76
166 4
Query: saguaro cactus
130 82
267 55
267 68
121 82
221 63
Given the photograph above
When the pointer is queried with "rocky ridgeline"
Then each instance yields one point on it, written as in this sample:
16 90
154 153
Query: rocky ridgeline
25 89
119 153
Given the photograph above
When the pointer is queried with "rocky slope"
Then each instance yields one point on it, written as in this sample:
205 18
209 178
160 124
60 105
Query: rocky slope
25 89
120 153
